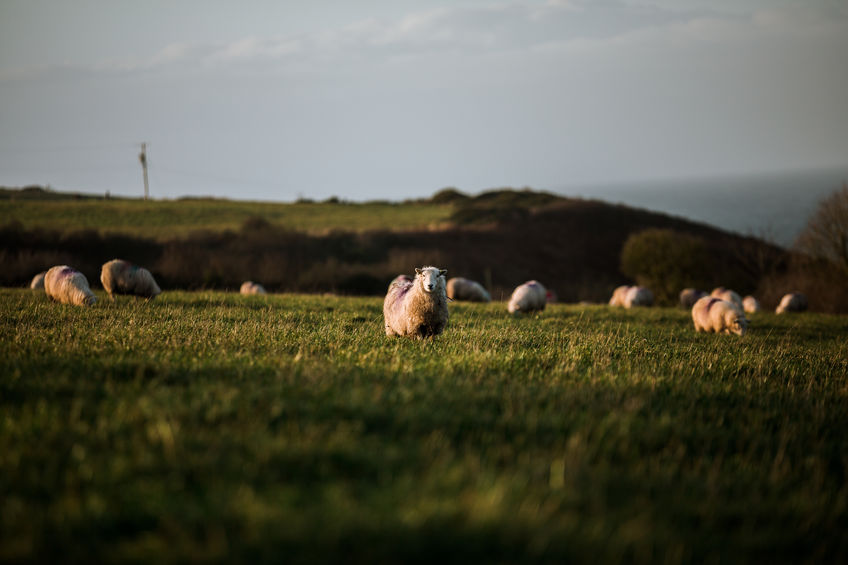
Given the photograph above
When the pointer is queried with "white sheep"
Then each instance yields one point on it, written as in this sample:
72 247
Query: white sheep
750 304
459 288
122 277
528 297
630 296
727 294
250 287
38 281
417 308
711 314
68 286
792 302
689 296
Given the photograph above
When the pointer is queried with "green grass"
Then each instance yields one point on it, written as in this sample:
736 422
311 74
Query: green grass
162 219
287 428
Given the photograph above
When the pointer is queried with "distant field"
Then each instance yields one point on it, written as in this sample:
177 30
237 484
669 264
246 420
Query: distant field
210 426
162 219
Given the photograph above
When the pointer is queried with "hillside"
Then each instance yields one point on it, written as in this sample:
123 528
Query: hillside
500 237
37 208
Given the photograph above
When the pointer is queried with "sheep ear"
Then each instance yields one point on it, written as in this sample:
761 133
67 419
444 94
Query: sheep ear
443 272
417 271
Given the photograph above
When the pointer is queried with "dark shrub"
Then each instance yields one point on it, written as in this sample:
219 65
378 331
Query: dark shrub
667 261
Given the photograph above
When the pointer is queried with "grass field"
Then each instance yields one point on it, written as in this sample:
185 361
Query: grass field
161 219
288 428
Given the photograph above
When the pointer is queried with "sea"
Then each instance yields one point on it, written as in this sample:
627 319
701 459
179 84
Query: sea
771 206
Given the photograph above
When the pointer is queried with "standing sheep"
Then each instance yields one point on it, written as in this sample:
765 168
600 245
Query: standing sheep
250 287
38 281
711 314
727 294
417 308
459 288
750 304
528 297
122 277
689 296
68 286
792 302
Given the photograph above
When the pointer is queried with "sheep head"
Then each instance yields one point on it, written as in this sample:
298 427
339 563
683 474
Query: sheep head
736 323
430 278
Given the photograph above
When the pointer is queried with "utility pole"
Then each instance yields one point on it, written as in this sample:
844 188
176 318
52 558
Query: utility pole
143 158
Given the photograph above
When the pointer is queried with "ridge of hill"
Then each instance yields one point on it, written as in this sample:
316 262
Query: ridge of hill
500 237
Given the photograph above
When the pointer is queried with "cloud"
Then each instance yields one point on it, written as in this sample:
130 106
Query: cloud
467 31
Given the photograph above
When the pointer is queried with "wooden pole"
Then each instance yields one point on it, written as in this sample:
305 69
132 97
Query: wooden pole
143 158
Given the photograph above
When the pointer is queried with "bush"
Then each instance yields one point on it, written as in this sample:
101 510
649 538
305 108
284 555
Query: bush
826 234
667 261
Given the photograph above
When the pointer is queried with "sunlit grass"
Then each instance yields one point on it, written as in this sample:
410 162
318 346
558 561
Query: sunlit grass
162 219
210 426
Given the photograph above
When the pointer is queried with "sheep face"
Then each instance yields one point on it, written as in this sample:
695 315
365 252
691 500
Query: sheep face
738 325
430 278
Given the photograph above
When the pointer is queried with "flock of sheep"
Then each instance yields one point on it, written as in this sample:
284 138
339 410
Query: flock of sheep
418 306
67 285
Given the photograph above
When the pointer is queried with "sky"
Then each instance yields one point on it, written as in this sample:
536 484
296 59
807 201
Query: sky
394 99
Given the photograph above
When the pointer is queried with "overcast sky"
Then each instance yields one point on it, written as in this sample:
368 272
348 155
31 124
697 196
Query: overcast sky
396 99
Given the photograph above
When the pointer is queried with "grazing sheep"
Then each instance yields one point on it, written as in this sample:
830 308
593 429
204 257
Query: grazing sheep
459 288
417 308
750 304
68 286
689 296
618 296
528 297
629 296
38 281
711 314
727 294
792 302
122 277
250 287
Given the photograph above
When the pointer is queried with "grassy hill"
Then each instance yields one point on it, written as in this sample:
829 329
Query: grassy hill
499 237
214 427
166 219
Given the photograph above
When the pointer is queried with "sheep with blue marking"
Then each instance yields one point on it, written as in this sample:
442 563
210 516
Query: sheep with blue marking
528 297
417 308
66 285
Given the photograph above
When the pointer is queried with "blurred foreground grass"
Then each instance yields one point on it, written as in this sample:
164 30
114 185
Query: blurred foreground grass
215 427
